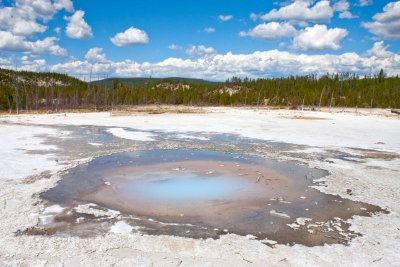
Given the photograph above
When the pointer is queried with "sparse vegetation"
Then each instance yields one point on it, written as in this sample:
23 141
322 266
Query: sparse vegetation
50 91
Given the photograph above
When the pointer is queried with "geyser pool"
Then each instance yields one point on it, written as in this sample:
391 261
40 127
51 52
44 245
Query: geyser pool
200 194
171 186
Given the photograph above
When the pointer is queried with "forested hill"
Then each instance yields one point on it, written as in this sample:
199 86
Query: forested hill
24 90
131 82
41 79
50 91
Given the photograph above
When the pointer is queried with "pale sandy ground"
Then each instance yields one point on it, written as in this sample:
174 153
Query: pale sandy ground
376 181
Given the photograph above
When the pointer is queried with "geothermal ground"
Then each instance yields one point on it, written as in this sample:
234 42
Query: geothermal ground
324 188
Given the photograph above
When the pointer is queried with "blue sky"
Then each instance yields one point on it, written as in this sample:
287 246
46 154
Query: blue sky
203 39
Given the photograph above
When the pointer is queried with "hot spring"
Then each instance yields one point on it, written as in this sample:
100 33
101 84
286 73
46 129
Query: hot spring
204 194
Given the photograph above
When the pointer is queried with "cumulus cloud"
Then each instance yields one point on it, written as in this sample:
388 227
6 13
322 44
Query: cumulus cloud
386 24
47 45
131 36
225 17
301 10
64 4
15 43
96 55
77 27
341 6
10 42
33 65
17 25
270 31
23 18
380 50
258 64
347 15
199 50
319 37
209 30
43 9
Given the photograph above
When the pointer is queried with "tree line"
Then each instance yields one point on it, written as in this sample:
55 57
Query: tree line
30 91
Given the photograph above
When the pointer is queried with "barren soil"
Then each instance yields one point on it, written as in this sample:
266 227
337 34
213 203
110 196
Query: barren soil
360 150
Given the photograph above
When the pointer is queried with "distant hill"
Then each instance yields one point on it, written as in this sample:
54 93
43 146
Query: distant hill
25 90
40 79
142 81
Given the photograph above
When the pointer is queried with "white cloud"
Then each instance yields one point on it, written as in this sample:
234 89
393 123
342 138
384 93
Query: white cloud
10 42
47 45
380 50
22 18
34 65
271 31
341 6
96 55
43 9
387 23
258 64
131 36
302 10
319 37
64 4
225 17
365 2
77 27
200 50
14 43
17 22
347 15
209 30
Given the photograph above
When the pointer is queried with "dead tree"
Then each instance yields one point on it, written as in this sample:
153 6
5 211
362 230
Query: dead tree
16 97
26 99
320 99
330 103
245 98
52 94
9 103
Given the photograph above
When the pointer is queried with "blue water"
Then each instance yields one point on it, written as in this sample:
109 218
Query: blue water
177 187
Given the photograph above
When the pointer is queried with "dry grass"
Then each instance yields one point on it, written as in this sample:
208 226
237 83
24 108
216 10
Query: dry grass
119 111
152 109
305 118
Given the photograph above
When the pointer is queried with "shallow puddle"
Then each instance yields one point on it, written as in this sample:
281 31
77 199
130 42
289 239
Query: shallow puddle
202 194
